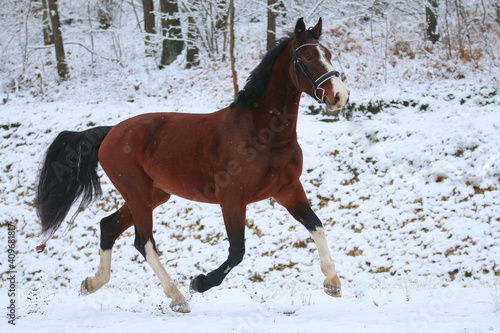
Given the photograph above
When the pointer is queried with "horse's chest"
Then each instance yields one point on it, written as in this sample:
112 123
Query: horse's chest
274 173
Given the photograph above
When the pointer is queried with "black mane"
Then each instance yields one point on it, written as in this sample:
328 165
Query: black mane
257 81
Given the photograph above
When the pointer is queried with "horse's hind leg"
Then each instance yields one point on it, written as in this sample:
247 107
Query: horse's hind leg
234 220
112 227
148 249
142 211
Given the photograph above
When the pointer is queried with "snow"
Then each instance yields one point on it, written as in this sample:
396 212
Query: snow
409 197
410 248
294 308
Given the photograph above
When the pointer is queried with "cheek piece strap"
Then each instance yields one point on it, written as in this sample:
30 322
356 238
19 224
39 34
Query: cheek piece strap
315 84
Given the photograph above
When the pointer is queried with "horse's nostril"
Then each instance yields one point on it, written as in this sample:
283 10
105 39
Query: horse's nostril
337 98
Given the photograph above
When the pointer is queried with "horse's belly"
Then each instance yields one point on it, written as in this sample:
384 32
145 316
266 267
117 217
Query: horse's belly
188 185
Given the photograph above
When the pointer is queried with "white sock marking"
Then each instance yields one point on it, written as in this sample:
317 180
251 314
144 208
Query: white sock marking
167 283
103 273
327 264
101 277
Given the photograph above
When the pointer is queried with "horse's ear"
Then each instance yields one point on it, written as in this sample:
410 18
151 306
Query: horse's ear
300 27
317 28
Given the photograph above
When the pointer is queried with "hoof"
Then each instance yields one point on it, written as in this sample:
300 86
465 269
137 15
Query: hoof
84 288
180 307
333 291
200 284
194 285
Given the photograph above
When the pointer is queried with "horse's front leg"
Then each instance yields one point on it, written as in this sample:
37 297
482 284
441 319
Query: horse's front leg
314 225
293 198
234 220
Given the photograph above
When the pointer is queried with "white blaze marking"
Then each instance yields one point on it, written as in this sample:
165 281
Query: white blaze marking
337 84
327 265
322 58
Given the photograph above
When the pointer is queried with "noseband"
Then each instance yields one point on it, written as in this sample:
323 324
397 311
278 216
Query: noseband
315 84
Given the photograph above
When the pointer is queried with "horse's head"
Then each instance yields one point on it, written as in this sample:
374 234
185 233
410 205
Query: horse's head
312 71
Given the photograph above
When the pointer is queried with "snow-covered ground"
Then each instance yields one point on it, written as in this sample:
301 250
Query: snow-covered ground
264 308
410 199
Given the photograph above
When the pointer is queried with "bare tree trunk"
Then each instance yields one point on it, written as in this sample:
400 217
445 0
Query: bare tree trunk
192 50
497 11
62 68
231 47
149 24
271 23
221 22
105 13
431 20
171 31
461 27
47 31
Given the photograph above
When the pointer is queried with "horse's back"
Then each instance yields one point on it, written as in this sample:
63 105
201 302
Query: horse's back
174 150
199 156
143 134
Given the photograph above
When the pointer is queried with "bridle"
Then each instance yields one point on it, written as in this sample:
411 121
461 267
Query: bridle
315 84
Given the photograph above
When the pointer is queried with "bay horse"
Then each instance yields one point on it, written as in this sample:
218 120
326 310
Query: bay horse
241 154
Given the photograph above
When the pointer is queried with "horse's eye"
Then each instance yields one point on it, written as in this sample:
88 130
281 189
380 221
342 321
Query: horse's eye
309 58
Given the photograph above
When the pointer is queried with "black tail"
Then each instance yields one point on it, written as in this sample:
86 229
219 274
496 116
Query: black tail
68 172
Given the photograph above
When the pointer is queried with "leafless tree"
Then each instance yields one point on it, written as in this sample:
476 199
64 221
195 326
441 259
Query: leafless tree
46 26
173 42
149 25
62 67
231 47
271 23
105 9
192 50
497 11
431 20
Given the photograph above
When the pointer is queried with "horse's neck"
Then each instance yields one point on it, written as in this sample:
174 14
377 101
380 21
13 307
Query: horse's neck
277 110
